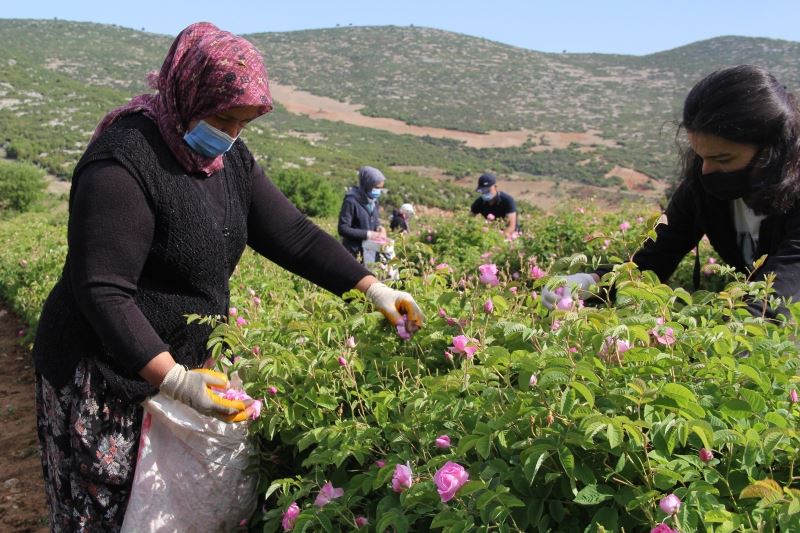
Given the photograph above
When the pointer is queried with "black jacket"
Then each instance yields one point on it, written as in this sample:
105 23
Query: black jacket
692 213
398 221
355 220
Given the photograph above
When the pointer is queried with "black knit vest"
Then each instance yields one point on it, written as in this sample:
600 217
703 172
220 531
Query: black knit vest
187 269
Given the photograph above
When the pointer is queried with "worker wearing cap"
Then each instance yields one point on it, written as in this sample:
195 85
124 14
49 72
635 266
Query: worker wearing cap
495 204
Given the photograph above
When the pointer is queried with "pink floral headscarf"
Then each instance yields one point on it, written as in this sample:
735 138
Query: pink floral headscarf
206 71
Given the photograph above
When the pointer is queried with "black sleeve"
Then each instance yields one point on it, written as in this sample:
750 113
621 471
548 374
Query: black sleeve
512 205
346 229
475 207
785 263
674 239
281 233
110 231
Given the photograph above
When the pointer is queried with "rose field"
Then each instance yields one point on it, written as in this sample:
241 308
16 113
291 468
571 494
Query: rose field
660 409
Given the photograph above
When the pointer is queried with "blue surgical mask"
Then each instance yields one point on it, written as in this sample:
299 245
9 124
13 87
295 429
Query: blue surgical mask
375 193
207 140
487 196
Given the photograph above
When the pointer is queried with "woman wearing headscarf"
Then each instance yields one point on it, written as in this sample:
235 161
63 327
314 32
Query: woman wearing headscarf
162 205
359 217
740 186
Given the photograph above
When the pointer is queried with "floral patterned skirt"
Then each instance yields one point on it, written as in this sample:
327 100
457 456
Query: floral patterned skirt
89 439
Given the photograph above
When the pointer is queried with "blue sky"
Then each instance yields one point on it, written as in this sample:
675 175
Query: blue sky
604 26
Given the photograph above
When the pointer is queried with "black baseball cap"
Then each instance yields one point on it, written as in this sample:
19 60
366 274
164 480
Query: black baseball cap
485 181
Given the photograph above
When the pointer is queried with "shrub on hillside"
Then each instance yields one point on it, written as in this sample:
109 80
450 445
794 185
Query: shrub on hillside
21 185
312 194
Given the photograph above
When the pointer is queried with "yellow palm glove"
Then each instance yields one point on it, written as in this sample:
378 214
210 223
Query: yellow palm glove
194 388
394 304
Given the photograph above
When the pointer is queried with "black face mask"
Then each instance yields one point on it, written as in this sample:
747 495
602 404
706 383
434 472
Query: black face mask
731 185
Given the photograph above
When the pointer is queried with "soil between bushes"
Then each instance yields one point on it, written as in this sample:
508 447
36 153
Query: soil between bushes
23 507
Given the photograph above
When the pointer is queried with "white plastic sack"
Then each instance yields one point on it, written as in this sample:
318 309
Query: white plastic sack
190 473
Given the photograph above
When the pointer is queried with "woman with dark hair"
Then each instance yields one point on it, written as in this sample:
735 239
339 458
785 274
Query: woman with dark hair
740 186
162 205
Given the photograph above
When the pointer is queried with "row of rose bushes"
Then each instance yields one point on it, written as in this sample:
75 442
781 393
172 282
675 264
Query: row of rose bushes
667 409
664 410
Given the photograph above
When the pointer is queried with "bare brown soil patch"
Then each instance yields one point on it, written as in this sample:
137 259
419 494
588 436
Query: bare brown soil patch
321 107
22 501
548 195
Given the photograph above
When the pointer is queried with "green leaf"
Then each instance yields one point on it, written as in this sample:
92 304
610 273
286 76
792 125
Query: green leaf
484 446
736 409
594 494
470 486
679 393
584 391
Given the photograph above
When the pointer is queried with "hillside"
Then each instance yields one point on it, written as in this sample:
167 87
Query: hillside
57 78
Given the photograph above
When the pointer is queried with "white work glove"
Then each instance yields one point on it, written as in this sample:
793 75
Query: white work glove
395 305
193 387
581 282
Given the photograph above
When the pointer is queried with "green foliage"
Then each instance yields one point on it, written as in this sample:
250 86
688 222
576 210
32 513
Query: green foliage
596 439
21 185
313 196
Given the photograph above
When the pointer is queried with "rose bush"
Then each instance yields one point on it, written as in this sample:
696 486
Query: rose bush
575 419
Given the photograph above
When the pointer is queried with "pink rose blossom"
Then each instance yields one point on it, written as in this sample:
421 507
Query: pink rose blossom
513 290
612 349
711 260
488 306
342 361
256 301
670 504
255 409
448 479
442 441
662 528
273 391
555 326
290 516
537 273
380 463
256 350
233 311
401 479
442 312
793 396
464 345
402 332
361 521
625 226
705 455
448 355
564 304
533 381
489 274
327 493
490 217
241 322
665 338
350 342
442 266
515 276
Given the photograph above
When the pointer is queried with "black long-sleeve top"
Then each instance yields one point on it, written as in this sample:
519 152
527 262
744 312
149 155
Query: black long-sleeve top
111 241
692 212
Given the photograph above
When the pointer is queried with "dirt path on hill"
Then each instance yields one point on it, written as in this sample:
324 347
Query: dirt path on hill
321 107
22 501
